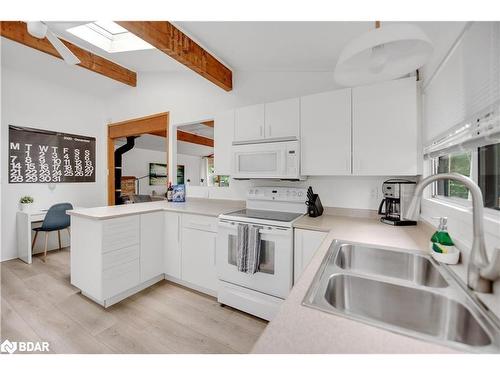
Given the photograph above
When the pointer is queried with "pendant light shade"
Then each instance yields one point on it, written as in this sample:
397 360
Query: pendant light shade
383 54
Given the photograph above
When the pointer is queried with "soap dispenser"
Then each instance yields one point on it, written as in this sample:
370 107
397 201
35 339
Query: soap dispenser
442 246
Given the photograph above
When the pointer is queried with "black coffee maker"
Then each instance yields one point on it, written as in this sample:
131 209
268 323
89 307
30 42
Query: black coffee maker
397 197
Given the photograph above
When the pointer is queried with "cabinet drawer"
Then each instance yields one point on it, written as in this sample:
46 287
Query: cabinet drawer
120 278
206 223
120 256
120 233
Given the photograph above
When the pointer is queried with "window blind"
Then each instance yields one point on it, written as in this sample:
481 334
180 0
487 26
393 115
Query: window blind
481 130
461 108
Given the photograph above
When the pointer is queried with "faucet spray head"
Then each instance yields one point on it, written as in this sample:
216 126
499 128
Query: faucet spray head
413 212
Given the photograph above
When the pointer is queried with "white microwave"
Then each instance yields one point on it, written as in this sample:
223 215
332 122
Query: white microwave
280 160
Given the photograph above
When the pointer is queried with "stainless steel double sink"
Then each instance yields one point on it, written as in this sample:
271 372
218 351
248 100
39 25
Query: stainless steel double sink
403 292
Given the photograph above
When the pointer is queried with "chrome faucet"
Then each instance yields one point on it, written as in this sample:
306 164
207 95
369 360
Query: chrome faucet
481 273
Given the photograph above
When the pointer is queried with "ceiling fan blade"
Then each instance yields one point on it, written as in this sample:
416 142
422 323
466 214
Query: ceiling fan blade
64 51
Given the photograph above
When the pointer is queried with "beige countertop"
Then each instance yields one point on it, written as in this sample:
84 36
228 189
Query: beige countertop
300 329
199 206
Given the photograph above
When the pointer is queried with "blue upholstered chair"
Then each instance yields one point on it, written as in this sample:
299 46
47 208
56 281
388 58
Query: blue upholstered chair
55 219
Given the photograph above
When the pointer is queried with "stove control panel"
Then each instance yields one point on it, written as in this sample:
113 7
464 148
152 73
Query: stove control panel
284 194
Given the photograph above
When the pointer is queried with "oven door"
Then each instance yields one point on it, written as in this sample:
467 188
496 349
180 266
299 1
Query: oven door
276 259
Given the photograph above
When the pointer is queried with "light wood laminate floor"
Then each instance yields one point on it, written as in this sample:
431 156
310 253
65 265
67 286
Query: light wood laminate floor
38 303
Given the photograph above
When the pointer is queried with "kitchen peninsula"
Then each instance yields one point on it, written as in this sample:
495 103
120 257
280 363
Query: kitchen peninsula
117 251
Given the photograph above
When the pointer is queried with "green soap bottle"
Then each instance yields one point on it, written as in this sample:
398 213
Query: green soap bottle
441 240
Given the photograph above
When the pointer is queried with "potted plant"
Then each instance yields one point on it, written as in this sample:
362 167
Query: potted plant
26 203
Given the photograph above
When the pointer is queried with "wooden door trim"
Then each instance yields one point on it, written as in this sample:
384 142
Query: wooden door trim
137 126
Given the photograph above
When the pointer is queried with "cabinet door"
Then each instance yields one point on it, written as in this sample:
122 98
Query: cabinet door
151 257
198 258
306 242
172 232
223 139
282 119
249 123
325 141
385 128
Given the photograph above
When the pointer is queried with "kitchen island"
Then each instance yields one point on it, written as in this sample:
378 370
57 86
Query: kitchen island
117 251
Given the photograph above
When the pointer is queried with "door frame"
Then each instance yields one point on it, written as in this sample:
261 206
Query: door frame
156 124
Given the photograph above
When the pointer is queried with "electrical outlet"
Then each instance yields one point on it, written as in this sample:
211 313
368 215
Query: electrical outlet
374 193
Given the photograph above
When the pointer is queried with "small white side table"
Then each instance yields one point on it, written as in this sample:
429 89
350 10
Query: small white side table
24 232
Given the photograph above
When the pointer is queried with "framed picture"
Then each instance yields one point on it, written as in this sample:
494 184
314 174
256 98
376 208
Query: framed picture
180 175
179 194
157 174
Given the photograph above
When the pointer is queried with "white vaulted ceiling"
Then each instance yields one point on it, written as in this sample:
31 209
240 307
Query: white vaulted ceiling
243 46
296 46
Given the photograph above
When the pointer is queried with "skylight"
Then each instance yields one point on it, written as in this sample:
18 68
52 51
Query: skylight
109 36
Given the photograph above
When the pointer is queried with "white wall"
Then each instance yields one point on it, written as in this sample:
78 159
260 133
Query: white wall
467 81
136 163
28 100
192 167
190 98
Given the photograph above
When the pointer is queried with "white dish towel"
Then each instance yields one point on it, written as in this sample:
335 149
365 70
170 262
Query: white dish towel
248 248
242 246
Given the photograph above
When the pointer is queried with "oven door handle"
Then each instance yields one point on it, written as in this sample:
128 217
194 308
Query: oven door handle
225 224
268 230
275 232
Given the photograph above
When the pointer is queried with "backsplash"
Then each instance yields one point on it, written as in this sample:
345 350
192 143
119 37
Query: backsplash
358 192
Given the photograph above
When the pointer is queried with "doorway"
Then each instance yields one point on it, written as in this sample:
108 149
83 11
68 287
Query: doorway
156 124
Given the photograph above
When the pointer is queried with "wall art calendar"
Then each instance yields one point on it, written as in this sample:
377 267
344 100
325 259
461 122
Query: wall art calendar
43 156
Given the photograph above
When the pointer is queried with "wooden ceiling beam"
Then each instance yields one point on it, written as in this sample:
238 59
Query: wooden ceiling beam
17 31
194 138
170 40
187 137
210 123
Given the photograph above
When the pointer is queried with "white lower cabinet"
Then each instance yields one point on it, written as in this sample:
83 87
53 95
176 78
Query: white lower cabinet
172 253
152 245
114 258
306 242
198 258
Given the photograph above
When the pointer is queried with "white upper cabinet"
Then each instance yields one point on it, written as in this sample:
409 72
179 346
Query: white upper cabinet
325 142
249 123
282 119
223 139
385 128
267 121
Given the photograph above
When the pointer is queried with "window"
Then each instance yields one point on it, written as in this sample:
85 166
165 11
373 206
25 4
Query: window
109 36
482 165
214 179
459 163
489 175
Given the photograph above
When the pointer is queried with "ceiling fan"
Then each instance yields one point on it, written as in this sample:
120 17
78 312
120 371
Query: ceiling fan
40 30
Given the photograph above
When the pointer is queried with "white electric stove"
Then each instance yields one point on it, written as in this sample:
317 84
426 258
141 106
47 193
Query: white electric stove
274 209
